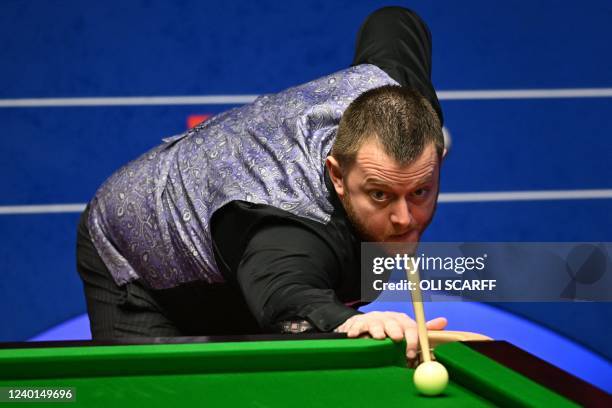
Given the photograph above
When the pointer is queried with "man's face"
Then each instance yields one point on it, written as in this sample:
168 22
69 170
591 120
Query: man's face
384 201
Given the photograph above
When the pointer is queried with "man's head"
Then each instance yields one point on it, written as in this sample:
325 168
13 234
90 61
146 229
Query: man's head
385 164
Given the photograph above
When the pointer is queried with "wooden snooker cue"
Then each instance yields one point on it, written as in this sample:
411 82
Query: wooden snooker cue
419 312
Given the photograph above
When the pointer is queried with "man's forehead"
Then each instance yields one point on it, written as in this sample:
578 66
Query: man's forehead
376 166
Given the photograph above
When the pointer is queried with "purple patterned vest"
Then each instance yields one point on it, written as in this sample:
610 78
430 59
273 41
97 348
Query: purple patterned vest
150 220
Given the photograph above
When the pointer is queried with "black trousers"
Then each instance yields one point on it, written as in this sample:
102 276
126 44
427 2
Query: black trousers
132 310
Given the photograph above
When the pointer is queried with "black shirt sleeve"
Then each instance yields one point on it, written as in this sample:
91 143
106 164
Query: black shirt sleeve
287 272
287 267
398 41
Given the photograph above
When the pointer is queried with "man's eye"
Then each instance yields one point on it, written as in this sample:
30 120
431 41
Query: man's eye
421 192
378 195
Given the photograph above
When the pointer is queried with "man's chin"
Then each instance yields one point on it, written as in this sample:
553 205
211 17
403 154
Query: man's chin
408 238
392 248
411 237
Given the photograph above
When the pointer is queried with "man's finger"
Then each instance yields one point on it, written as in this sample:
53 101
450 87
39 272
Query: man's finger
356 328
344 327
377 330
393 329
438 323
405 320
411 342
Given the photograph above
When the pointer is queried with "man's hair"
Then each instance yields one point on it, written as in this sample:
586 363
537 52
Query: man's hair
399 118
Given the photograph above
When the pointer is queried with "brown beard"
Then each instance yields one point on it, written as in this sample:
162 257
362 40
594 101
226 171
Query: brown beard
353 218
390 249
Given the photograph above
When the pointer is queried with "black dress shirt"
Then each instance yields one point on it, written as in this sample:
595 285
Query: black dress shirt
288 267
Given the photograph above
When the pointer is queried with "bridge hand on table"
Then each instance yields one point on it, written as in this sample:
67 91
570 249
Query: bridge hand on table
380 325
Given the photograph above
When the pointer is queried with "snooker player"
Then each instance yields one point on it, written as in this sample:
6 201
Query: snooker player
252 221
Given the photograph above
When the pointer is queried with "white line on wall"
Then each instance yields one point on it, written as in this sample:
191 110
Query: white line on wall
242 99
444 198
128 100
41 209
526 94
524 196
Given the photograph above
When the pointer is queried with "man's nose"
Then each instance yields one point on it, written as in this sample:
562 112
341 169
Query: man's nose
401 216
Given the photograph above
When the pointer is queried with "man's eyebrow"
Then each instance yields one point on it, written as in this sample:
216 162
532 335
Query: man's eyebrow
376 180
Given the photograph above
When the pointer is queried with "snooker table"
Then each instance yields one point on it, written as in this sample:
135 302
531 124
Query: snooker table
305 370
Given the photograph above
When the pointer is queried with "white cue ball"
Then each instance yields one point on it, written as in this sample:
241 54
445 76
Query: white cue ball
430 378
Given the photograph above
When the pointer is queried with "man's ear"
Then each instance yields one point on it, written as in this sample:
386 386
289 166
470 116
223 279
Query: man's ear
335 174
448 141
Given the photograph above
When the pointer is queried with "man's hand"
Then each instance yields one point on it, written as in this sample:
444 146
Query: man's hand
397 326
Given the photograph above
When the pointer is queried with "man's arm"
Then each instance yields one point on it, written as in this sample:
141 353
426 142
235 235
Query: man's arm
288 272
398 41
